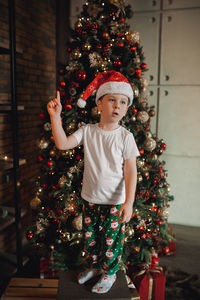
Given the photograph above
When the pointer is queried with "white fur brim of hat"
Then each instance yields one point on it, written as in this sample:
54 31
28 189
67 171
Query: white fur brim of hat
115 87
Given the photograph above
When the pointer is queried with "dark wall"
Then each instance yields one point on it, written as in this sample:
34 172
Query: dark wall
36 84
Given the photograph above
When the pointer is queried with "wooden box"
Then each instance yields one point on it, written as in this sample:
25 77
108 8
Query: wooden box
31 289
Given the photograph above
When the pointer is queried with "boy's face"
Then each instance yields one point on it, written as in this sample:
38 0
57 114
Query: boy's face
113 107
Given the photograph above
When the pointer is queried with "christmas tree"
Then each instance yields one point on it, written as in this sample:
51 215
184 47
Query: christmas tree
101 41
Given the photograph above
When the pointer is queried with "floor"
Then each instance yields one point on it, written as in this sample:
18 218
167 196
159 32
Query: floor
187 256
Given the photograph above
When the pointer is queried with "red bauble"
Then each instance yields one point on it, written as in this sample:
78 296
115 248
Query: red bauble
159 222
120 45
133 49
50 163
80 75
98 46
134 110
144 66
40 158
41 116
141 151
69 49
68 107
163 146
59 211
138 72
62 83
78 157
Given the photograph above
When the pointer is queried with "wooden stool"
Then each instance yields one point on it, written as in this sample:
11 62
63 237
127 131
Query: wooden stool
69 289
31 289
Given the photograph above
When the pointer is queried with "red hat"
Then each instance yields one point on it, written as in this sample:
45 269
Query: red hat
110 82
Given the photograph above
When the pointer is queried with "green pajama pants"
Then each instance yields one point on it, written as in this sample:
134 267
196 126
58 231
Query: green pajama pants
104 236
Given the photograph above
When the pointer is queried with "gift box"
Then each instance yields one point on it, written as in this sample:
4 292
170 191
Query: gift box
150 284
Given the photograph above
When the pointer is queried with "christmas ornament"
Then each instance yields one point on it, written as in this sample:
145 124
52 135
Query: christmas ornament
77 223
163 212
106 35
131 71
62 181
35 203
139 178
136 91
152 112
95 59
52 153
80 75
43 144
86 47
132 36
142 116
149 144
47 126
76 54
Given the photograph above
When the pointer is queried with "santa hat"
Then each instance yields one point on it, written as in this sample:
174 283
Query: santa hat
110 82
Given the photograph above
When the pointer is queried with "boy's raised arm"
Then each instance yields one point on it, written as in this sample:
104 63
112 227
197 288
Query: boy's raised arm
62 142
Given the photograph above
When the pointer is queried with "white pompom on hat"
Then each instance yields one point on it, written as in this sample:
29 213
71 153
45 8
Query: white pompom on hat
109 82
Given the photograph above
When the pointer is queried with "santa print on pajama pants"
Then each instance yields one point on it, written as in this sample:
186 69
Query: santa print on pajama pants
104 236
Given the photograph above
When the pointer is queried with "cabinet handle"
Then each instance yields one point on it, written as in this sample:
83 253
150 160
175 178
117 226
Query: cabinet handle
151 93
169 18
167 77
153 3
153 19
151 77
166 93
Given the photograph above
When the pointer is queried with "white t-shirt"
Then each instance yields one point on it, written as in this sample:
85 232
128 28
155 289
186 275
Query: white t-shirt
104 156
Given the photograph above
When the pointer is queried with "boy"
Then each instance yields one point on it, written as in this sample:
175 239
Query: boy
110 173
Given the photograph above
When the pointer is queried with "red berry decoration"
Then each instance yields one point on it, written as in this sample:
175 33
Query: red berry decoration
133 49
80 75
68 107
117 63
138 72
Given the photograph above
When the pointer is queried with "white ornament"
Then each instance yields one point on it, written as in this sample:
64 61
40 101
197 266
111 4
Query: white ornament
81 103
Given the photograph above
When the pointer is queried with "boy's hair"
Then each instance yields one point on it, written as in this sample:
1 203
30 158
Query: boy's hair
101 98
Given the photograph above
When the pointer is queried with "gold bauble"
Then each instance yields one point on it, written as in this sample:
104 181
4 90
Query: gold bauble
132 36
78 24
87 47
136 91
139 178
142 116
154 157
52 153
106 35
35 203
76 54
140 163
148 134
62 181
43 144
149 144
77 223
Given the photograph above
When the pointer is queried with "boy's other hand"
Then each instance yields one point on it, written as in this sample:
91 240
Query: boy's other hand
125 212
54 106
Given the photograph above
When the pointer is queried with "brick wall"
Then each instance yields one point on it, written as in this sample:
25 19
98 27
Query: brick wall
36 83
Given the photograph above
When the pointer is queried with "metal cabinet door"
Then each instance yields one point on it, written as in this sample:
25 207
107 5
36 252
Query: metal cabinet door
180 47
179 115
144 5
173 4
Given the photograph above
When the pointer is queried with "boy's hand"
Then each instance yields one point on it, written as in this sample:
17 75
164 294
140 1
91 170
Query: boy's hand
125 212
54 107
